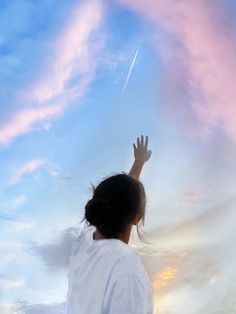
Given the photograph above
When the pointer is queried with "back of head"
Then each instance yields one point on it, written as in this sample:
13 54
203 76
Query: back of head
116 201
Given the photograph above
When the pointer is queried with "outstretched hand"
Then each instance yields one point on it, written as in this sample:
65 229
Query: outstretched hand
141 151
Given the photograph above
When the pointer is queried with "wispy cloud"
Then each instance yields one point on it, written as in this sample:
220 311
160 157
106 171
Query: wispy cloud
22 225
73 58
10 283
190 271
29 308
27 168
189 199
189 257
6 308
13 204
8 208
193 196
11 253
201 51
9 244
73 55
27 120
206 217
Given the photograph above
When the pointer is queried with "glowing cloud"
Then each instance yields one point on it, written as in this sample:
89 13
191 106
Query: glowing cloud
74 57
30 167
25 121
202 50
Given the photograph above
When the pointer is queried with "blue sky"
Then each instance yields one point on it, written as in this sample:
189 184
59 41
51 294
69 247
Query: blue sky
65 124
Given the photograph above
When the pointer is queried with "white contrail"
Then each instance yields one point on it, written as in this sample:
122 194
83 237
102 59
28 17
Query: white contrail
129 73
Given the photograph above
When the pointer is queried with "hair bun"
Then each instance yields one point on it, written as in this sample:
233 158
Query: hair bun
97 211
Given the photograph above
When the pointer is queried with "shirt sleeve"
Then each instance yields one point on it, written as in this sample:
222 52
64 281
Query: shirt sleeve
127 296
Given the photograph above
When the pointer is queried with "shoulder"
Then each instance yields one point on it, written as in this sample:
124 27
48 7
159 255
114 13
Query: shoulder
82 231
128 263
80 234
128 294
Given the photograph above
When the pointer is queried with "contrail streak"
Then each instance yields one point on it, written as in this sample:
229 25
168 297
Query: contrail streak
129 73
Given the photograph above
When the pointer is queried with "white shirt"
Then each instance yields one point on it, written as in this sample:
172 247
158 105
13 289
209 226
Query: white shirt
106 277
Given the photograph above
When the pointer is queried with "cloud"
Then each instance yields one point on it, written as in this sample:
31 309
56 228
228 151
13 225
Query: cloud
29 167
23 307
191 271
14 256
73 55
207 218
10 283
6 308
67 73
194 259
56 255
9 244
10 252
193 196
14 204
189 199
22 225
26 120
200 54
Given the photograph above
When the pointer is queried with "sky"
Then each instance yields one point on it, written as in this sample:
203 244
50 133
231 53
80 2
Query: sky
80 80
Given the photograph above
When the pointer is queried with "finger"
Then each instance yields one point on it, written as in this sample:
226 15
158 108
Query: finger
138 142
142 139
146 142
134 147
149 154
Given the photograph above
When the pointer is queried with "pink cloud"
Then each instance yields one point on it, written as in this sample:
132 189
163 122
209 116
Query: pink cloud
74 56
206 52
25 121
27 168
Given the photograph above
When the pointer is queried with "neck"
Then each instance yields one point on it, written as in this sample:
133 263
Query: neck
125 236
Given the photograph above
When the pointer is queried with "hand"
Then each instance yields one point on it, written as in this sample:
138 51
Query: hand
141 152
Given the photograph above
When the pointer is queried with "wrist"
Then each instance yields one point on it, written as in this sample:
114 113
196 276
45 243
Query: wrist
139 162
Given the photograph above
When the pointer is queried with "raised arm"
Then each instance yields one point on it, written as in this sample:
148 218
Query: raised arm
141 155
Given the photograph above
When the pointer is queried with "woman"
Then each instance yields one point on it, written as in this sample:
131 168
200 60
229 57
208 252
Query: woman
106 276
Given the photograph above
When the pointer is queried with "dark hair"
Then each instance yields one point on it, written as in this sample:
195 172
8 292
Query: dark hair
116 201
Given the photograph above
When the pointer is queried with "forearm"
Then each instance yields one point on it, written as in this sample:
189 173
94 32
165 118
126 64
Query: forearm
136 169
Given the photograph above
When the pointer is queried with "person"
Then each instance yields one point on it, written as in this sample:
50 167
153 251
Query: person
106 275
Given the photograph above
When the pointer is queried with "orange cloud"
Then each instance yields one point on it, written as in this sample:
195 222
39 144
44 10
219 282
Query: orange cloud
168 274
